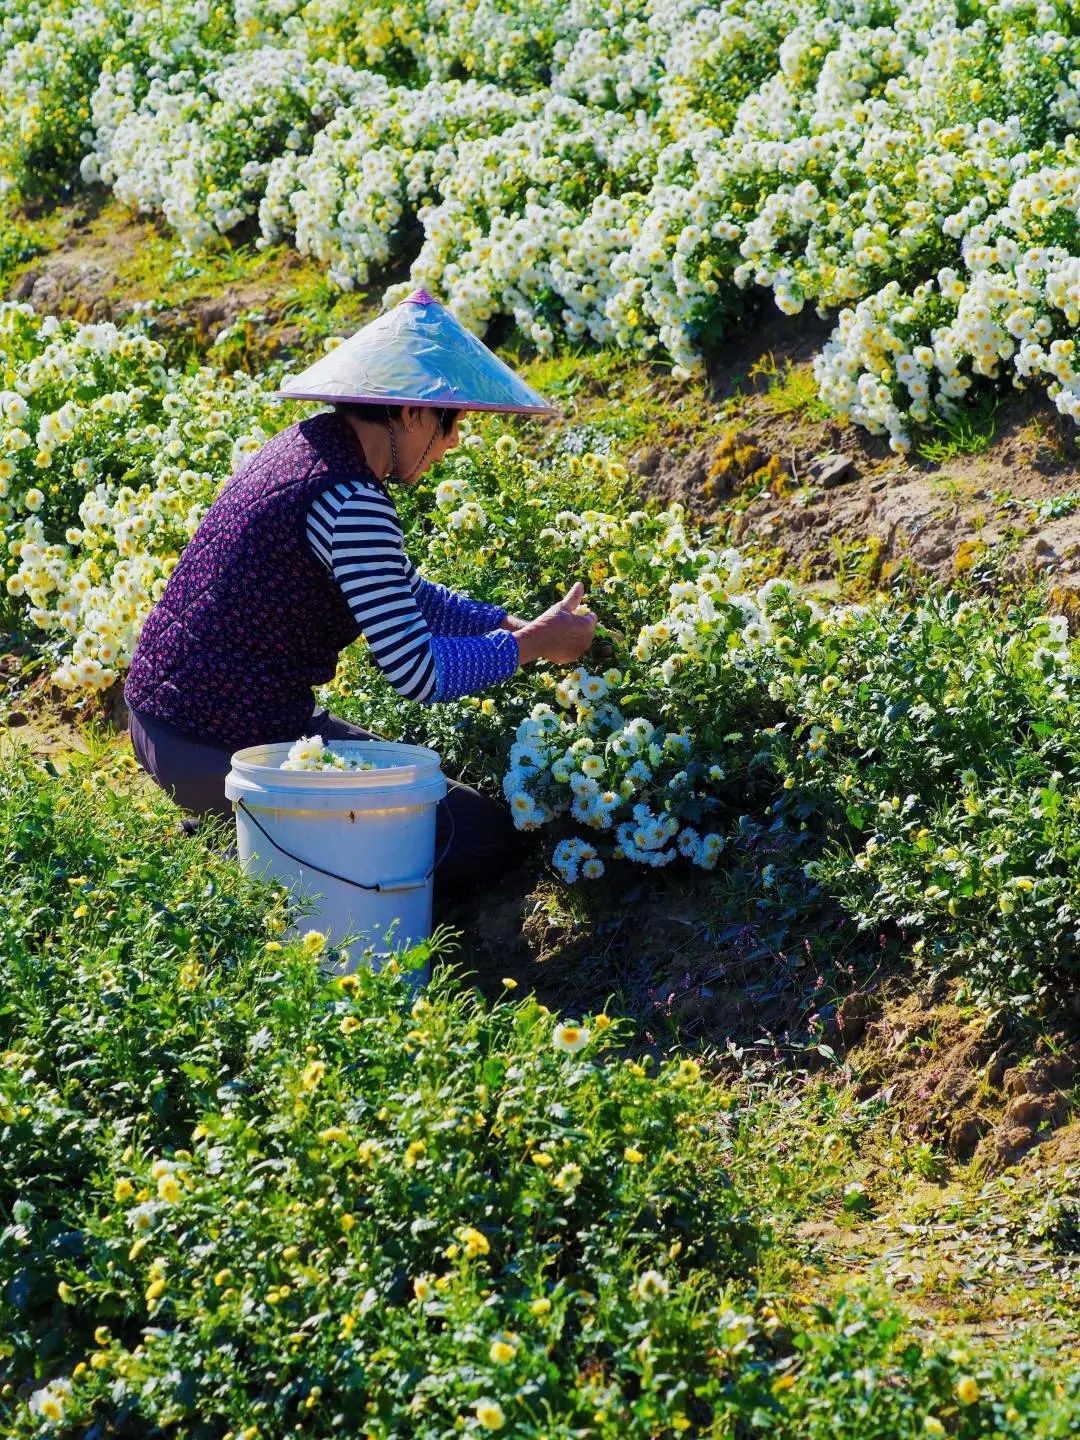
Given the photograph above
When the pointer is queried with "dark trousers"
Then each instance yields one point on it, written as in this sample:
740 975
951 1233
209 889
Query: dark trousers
475 832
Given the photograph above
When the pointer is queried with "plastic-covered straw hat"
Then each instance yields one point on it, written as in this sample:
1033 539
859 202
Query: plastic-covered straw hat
418 353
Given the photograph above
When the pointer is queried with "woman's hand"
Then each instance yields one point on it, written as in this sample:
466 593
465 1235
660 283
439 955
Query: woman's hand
561 633
512 623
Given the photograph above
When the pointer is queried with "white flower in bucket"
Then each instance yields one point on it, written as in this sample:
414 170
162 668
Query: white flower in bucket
310 753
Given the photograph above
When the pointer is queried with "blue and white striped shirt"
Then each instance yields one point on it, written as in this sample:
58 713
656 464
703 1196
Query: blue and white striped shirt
431 643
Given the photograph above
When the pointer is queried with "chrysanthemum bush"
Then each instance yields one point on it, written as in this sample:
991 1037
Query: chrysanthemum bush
243 1192
1008 308
948 739
108 460
57 73
616 179
199 153
356 194
915 763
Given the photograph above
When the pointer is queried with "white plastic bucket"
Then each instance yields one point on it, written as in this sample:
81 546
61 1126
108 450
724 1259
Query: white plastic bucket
362 841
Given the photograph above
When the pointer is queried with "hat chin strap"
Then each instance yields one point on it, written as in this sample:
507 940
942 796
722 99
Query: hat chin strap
397 475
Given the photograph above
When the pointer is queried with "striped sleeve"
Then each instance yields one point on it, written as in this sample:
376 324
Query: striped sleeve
354 530
449 613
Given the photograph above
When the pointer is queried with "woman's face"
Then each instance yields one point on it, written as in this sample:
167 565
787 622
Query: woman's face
418 431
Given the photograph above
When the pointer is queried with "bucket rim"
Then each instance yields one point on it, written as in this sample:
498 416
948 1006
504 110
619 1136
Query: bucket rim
261 764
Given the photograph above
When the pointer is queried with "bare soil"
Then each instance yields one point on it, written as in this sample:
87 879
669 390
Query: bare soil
86 282
38 716
808 486
974 1093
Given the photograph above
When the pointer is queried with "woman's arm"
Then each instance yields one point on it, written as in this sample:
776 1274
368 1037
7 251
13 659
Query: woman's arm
449 613
354 530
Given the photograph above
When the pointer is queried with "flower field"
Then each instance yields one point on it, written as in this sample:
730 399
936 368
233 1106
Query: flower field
888 753
622 176
757 1117
241 1197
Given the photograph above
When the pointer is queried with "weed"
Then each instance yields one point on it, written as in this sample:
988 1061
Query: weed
790 390
968 431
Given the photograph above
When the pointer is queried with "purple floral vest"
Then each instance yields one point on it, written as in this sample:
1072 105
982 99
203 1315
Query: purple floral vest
249 620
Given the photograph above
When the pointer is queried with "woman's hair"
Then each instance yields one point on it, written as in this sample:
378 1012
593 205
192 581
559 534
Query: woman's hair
379 414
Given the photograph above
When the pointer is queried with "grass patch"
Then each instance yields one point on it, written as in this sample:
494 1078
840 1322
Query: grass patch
790 389
970 431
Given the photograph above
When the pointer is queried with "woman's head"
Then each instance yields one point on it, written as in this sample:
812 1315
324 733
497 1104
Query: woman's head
403 441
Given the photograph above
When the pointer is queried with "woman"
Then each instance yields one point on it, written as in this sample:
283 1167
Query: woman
302 552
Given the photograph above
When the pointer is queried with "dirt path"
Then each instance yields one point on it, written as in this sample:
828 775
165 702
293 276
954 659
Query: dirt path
106 264
828 498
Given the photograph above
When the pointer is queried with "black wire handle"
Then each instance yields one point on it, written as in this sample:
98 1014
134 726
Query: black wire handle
344 879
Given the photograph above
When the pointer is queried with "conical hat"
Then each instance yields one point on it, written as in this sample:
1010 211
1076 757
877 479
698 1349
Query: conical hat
418 353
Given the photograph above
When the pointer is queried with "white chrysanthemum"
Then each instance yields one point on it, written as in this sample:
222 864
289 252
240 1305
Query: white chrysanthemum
570 1038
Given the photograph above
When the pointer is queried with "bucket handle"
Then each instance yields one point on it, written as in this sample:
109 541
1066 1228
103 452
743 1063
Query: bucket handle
343 879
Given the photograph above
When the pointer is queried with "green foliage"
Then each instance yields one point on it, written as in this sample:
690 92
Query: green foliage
968 431
792 390
947 738
406 1206
244 1192
19 242
866 1377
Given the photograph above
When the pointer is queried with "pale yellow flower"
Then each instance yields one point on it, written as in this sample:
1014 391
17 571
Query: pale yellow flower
168 1189
503 1350
967 1390
490 1414
475 1243
652 1286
